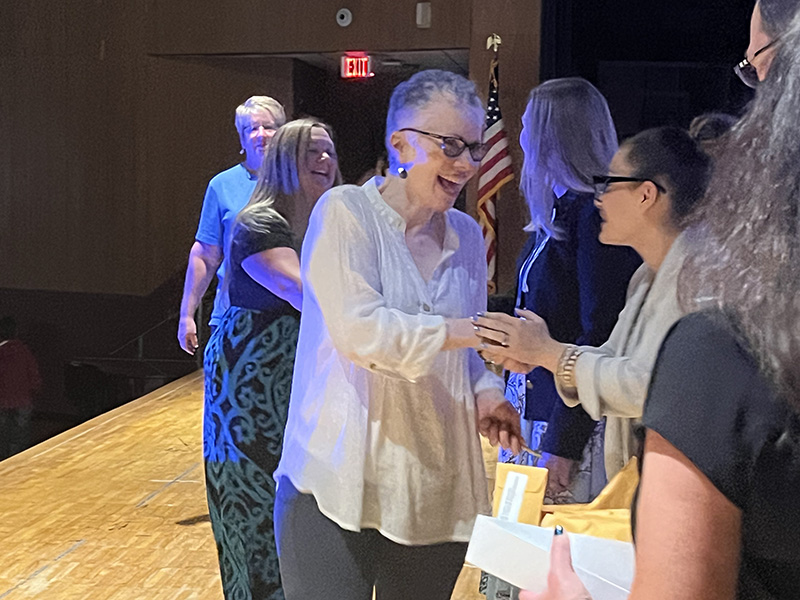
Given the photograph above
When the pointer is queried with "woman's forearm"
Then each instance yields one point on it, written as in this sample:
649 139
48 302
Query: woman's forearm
460 334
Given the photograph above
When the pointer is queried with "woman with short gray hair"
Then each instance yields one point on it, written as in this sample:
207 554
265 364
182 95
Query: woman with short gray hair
256 106
257 119
382 476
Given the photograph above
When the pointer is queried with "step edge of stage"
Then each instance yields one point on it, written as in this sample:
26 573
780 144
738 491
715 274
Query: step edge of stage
42 448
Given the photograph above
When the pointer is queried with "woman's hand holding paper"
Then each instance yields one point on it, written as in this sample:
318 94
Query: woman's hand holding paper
562 581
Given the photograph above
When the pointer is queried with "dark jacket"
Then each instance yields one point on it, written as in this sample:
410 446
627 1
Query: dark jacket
578 286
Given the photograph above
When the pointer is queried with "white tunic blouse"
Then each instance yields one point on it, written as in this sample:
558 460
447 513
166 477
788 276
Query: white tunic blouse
382 422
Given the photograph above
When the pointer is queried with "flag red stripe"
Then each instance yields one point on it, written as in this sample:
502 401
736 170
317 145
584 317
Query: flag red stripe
485 190
487 166
496 138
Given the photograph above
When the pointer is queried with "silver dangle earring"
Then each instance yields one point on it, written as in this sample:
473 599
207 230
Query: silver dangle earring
241 151
402 173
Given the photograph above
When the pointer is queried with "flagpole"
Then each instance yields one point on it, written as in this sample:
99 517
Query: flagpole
493 43
495 169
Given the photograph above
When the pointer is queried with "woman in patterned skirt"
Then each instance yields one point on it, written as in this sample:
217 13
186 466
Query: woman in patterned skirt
250 357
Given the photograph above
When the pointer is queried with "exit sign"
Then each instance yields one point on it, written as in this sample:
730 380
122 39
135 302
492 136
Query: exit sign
356 66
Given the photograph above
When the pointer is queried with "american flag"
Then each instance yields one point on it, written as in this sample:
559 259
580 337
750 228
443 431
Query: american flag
495 171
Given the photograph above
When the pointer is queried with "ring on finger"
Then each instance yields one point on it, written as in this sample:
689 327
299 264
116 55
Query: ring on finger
504 342
488 361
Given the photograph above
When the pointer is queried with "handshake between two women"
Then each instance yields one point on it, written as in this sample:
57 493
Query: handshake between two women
518 344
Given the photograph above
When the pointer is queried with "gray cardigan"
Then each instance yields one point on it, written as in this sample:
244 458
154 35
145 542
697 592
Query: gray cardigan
612 380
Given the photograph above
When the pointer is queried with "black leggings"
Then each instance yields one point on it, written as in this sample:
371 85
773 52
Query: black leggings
321 561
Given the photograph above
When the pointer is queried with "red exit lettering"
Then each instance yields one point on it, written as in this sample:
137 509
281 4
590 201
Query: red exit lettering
356 67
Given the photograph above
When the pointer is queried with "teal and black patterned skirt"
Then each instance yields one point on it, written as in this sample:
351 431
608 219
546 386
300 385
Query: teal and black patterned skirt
248 366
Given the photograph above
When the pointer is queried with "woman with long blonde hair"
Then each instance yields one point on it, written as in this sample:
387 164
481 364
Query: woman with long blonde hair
566 276
250 357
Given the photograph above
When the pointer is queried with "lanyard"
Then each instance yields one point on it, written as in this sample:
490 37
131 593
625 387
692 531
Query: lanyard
522 284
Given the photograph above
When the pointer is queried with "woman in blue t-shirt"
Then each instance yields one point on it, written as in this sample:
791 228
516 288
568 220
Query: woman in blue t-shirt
257 120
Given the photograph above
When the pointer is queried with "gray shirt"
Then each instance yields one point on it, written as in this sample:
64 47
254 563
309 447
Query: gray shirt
612 380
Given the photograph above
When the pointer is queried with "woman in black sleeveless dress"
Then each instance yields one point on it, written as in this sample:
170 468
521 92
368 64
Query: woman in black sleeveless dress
250 357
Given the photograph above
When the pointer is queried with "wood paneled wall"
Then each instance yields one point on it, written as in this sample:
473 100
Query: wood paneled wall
517 22
106 149
187 136
114 115
291 26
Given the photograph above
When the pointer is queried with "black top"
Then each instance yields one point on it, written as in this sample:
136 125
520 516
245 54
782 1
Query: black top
578 286
245 292
709 399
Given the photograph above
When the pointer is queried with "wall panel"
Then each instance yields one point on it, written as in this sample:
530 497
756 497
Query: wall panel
107 150
187 135
52 173
517 22
108 144
257 26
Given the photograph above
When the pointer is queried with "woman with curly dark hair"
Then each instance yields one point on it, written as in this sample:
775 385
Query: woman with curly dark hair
717 514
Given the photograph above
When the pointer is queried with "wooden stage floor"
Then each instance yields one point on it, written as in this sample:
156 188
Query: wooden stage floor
115 509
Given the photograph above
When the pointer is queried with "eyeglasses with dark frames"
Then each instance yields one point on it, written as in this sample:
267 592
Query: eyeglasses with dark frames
453 146
745 69
601 183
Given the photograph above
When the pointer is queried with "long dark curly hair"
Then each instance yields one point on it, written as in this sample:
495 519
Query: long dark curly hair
776 15
745 235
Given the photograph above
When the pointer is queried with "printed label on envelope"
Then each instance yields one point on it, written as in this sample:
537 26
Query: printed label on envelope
513 495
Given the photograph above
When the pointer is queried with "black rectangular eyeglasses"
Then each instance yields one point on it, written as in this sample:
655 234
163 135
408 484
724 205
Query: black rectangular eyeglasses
601 183
747 72
453 146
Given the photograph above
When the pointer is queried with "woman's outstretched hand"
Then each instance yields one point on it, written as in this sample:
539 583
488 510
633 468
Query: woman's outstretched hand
519 341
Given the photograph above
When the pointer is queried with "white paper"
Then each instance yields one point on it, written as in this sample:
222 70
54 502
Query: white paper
520 554
513 496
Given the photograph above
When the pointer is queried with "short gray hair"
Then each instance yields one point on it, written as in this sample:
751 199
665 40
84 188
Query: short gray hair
254 104
419 90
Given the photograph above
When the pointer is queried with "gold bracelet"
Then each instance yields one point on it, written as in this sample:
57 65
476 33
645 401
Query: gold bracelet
565 374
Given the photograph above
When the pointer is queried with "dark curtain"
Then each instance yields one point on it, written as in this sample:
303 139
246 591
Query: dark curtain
556 52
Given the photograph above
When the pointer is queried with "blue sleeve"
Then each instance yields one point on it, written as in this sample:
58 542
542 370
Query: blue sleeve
603 276
209 231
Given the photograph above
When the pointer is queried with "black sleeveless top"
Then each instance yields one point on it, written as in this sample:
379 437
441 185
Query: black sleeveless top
710 400
244 291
